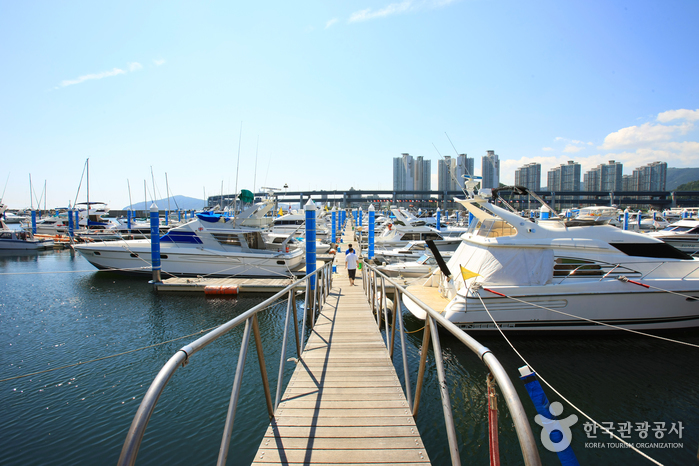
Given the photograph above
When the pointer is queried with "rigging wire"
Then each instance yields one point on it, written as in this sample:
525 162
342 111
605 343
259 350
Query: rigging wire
607 431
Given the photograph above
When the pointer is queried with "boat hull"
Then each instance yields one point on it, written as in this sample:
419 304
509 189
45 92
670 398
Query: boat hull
135 259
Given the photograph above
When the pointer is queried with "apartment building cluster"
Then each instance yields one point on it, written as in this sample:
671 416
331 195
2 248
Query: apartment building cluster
414 173
606 177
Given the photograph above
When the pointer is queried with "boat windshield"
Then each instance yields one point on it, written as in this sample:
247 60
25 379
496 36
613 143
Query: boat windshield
493 228
423 258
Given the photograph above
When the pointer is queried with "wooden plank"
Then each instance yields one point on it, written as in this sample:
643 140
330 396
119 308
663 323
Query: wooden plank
344 403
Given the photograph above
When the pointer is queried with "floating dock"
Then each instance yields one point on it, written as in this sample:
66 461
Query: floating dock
344 403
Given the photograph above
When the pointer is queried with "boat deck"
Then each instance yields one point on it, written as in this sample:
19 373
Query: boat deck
344 403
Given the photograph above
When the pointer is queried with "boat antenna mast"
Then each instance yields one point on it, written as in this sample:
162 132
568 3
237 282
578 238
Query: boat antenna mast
237 171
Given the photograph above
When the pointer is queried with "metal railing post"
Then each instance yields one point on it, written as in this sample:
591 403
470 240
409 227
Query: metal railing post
263 366
292 299
282 359
384 307
421 371
396 306
444 391
406 373
235 393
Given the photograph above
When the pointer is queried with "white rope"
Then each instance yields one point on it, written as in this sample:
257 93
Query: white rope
631 446
597 322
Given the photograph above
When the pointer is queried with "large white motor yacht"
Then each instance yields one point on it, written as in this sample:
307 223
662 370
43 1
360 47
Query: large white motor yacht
210 245
553 276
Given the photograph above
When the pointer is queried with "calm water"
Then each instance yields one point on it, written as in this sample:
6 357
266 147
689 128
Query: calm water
55 309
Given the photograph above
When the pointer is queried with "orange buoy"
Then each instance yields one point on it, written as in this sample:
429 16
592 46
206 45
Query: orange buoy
226 290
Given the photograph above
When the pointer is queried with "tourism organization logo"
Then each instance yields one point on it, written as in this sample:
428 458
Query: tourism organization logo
556 434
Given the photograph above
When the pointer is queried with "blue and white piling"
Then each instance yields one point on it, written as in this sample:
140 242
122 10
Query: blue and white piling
71 230
639 217
33 222
626 220
334 228
372 221
439 215
310 210
128 220
155 243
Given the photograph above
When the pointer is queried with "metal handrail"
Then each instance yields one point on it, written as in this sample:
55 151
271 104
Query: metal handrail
182 356
527 442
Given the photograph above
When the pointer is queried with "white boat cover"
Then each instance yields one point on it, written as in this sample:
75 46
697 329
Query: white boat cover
508 266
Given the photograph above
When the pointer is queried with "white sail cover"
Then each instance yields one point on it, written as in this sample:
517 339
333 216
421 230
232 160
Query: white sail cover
508 266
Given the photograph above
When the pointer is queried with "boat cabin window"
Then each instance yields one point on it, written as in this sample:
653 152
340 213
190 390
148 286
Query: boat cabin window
430 236
474 226
410 237
493 228
254 240
656 250
577 268
6 235
227 239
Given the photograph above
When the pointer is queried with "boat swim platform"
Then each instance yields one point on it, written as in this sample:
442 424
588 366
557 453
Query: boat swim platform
344 403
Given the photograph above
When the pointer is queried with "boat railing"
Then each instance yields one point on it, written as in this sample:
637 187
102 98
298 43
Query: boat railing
374 283
317 286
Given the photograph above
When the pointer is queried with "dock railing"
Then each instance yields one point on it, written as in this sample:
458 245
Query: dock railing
374 283
313 302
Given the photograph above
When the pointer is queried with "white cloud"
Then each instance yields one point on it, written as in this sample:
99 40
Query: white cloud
547 149
133 66
682 114
571 149
330 23
87 77
397 8
159 62
644 135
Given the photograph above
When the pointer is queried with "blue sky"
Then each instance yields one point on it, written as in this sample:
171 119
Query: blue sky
329 92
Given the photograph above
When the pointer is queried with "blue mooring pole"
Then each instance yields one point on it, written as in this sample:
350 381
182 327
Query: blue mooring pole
310 209
470 218
439 217
372 222
155 243
128 219
626 220
334 229
638 220
554 436
33 222
77 219
71 230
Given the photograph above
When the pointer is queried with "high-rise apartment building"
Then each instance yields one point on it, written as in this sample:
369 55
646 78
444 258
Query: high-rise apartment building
423 176
605 177
490 170
565 177
651 177
451 172
411 174
529 176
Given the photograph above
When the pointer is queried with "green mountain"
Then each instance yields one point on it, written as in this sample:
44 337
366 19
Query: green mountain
679 176
692 186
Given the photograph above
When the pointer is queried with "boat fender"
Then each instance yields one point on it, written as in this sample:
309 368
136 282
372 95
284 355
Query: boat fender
227 290
287 249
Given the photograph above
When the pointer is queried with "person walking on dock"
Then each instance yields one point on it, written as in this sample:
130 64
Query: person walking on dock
351 264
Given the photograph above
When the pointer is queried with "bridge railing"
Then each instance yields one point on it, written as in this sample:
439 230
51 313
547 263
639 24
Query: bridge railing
374 283
314 300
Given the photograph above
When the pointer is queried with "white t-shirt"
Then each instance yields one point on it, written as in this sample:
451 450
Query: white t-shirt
351 260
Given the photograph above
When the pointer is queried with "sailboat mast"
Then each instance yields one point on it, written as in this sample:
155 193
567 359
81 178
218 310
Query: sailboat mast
130 202
237 170
167 188
31 195
88 193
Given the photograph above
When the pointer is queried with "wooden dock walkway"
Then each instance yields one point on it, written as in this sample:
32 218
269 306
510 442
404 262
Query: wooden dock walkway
344 403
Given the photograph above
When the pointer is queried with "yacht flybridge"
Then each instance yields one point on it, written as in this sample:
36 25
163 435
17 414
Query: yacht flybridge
561 275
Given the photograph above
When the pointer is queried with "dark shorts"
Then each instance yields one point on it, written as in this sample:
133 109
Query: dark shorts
351 273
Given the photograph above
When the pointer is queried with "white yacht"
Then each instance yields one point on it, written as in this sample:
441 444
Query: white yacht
403 230
421 267
552 276
293 224
210 245
684 235
409 253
